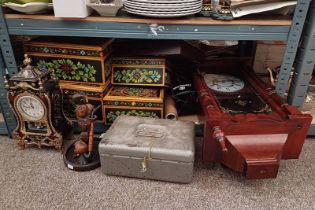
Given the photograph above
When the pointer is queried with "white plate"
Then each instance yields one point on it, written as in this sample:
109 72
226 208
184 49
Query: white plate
165 1
167 14
171 5
164 10
161 9
162 6
163 15
30 8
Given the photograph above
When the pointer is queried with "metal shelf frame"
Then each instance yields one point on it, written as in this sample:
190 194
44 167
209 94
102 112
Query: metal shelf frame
305 61
150 30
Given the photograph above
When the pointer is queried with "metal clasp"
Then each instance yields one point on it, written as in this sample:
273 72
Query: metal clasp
144 165
155 28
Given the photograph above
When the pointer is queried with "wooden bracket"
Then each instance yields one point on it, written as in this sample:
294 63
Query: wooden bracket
260 154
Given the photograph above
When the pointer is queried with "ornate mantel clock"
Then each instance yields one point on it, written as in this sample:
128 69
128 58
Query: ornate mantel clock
37 103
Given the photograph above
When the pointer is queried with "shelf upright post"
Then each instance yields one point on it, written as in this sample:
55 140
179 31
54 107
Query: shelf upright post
304 62
292 45
7 66
3 98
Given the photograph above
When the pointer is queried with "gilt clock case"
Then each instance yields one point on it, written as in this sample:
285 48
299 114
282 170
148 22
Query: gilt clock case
248 129
77 59
55 125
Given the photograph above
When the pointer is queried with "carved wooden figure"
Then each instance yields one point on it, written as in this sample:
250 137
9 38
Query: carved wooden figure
83 113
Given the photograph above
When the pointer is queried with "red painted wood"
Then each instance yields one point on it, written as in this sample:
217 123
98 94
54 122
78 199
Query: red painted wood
284 119
261 153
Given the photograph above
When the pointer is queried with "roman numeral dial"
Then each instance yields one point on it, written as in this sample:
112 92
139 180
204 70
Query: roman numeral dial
224 83
31 108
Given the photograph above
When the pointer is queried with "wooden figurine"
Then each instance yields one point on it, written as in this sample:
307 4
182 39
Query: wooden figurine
83 155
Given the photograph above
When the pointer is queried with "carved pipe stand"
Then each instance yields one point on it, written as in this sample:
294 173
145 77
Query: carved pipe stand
82 155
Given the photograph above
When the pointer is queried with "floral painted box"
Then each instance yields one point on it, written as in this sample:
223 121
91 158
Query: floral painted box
77 59
95 94
133 101
140 71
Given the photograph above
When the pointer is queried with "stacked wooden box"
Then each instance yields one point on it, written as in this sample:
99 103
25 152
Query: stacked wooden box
81 64
137 88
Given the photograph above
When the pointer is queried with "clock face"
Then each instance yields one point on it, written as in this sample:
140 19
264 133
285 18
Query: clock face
224 83
31 108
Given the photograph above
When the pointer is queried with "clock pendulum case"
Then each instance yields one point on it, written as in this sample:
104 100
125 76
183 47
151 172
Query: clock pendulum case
248 127
36 101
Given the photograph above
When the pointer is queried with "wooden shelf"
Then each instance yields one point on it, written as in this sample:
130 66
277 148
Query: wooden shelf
195 28
262 21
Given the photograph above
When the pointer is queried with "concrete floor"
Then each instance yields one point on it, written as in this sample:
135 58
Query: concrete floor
38 179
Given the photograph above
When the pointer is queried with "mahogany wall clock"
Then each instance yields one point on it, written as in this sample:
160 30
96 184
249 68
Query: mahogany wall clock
37 103
249 128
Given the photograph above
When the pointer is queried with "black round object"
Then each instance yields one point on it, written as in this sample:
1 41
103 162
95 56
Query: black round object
82 163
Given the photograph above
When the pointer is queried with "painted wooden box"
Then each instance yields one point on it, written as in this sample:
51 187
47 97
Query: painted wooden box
133 101
140 71
249 128
76 59
95 95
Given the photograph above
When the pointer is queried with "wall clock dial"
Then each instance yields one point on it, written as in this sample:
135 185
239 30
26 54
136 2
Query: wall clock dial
30 107
223 83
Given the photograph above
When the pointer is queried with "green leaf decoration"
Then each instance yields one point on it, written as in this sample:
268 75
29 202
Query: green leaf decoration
112 115
67 69
137 76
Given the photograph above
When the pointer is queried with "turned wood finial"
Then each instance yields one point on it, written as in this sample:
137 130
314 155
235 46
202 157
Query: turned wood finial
219 136
6 82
